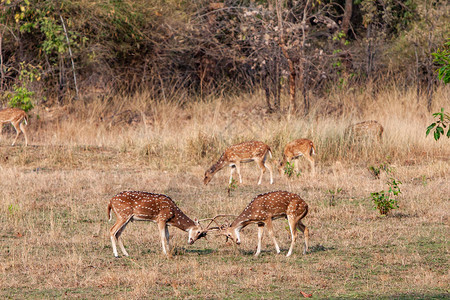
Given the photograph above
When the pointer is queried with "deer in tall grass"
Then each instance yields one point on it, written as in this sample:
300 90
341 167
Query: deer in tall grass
366 129
242 153
296 149
131 206
18 118
262 210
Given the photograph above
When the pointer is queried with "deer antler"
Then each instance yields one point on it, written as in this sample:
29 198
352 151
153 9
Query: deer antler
220 227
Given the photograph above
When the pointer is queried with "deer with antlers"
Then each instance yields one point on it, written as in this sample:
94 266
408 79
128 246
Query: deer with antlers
262 210
142 206
296 149
242 153
18 118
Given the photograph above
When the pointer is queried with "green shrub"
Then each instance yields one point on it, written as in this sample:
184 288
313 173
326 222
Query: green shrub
289 170
385 201
21 98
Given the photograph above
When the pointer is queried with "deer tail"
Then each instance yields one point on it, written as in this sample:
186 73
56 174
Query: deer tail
313 149
25 118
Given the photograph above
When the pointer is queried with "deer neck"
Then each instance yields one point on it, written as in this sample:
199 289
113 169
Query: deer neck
181 221
241 221
218 165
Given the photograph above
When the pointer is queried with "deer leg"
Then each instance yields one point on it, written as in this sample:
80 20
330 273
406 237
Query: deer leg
17 128
269 167
263 169
311 162
167 237
305 231
162 232
238 169
119 238
233 168
22 127
270 230
292 225
115 233
120 242
296 163
260 235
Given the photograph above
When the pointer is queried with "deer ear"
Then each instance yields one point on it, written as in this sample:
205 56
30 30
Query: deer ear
196 221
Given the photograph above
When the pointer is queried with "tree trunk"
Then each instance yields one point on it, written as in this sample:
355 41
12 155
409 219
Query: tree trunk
369 51
266 84
347 17
276 103
292 76
303 89
2 75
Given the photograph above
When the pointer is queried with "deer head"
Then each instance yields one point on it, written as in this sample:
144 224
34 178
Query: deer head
231 233
209 175
195 232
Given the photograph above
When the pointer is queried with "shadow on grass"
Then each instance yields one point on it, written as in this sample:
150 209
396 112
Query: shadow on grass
399 296
400 215
183 251
319 248
283 251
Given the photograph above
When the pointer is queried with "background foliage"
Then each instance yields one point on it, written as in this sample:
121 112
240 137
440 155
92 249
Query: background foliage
176 48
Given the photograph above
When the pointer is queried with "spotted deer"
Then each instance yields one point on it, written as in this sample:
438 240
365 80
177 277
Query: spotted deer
18 118
142 206
370 129
295 149
242 153
261 211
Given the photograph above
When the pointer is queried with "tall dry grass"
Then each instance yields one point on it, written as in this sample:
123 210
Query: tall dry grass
190 133
54 239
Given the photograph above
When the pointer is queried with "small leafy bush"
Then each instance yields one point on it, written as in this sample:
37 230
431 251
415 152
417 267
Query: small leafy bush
289 170
232 186
333 193
21 98
385 201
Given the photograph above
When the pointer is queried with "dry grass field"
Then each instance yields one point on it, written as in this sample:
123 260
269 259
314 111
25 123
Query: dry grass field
54 240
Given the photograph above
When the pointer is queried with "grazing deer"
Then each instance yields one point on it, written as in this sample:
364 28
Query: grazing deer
242 153
295 149
18 118
262 210
365 129
142 206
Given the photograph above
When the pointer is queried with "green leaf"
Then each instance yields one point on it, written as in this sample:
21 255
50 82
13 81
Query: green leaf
430 127
437 135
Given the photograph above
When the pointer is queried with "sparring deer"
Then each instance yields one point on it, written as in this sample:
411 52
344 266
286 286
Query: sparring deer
242 153
262 210
295 149
371 129
18 118
142 206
